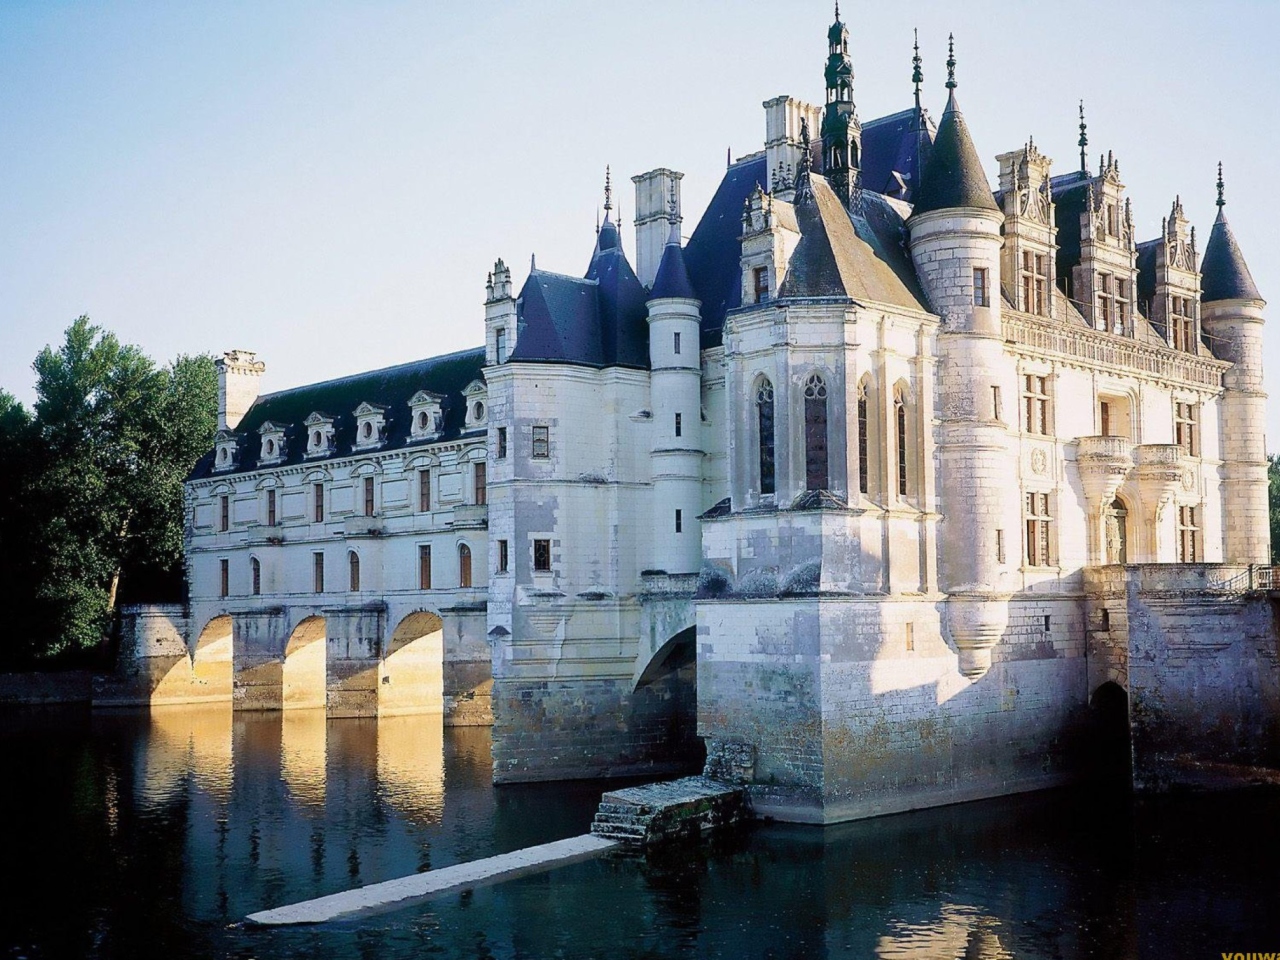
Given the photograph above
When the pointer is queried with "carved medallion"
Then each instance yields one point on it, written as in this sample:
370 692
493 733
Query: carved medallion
1039 462
1188 480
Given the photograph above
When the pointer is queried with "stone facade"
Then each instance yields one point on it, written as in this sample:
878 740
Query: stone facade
833 489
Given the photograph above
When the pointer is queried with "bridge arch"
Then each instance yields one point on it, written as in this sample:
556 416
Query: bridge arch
211 659
411 670
303 671
1112 748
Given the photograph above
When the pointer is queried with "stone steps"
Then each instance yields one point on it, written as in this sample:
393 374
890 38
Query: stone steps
657 812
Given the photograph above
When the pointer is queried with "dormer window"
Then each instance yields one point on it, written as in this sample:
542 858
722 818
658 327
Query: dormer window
319 435
272 450
477 396
226 451
427 417
760 279
371 426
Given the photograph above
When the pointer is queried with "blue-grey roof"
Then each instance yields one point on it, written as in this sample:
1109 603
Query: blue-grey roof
1070 198
953 177
389 388
599 320
672 279
895 150
1225 274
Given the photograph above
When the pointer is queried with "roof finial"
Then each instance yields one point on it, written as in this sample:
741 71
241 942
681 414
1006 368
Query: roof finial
1222 200
533 263
951 62
673 216
1084 141
608 191
837 11
917 73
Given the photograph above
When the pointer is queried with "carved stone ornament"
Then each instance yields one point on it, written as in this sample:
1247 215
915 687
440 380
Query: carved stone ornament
1039 462
1188 480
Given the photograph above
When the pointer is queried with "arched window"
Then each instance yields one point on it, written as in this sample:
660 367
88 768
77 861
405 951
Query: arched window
464 565
353 570
255 571
815 433
864 440
764 419
900 436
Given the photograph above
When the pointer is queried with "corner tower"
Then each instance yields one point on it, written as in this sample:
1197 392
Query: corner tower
1231 314
955 246
841 129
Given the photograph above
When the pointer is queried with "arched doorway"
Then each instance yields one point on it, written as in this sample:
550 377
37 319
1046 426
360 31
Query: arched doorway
211 661
411 674
1112 746
670 679
1117 532
303 680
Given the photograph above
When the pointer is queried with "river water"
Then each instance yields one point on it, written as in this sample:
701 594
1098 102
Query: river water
128 836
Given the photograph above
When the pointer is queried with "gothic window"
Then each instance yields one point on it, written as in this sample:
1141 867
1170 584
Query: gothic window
317 492
1189 534
900 435
481 489
1186 432
255 574
224 574
1035 283
764 420
815 433
353 571
541 443
981 287
424 567
864 440
1035 401
1039 526
271 508
317 573
368 496
224 513
1182 323
464 565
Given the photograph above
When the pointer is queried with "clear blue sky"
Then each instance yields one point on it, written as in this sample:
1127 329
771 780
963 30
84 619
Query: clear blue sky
327 183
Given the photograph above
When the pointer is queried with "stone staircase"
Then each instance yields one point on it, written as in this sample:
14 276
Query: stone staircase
657 812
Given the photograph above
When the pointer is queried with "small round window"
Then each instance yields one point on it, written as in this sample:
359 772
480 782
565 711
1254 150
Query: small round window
271 448
366 430
423 420
315 439
222 455
477 412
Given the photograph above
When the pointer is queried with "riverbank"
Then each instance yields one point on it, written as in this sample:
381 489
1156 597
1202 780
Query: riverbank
46 688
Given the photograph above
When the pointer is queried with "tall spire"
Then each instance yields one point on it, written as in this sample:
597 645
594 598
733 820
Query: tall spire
608 191
1222 202
951 62
1084 142
917 72
1224 273
841 129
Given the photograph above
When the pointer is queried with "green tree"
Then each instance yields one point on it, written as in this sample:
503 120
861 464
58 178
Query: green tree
111 441
1273 490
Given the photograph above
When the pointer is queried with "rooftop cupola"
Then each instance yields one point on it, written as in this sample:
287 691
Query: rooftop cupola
1225 274
841 129
953 177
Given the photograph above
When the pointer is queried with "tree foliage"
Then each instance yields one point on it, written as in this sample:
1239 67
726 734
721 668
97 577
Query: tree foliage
95 509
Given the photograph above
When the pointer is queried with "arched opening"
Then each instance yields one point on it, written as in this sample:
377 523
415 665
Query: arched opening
1112 744
411 674
671 679
1117 523
353 571
303 679
765 436
815 433
864 436
211 661
464 565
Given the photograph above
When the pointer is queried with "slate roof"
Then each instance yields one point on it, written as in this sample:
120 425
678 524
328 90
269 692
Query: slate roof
953 176
1225 274
1070 198
895 150
672 278
858 257
599 320
390 388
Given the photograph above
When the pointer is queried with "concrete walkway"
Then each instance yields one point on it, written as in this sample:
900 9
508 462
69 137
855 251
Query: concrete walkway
461 876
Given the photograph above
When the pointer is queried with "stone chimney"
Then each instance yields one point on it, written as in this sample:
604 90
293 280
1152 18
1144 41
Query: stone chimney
653 199
238 373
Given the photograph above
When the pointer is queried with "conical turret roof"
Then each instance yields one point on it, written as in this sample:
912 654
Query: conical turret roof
1225 274
672 279
953 176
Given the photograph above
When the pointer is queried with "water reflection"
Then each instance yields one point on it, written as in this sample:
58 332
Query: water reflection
178 824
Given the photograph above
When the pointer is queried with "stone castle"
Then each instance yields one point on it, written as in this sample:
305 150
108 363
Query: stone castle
875 494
